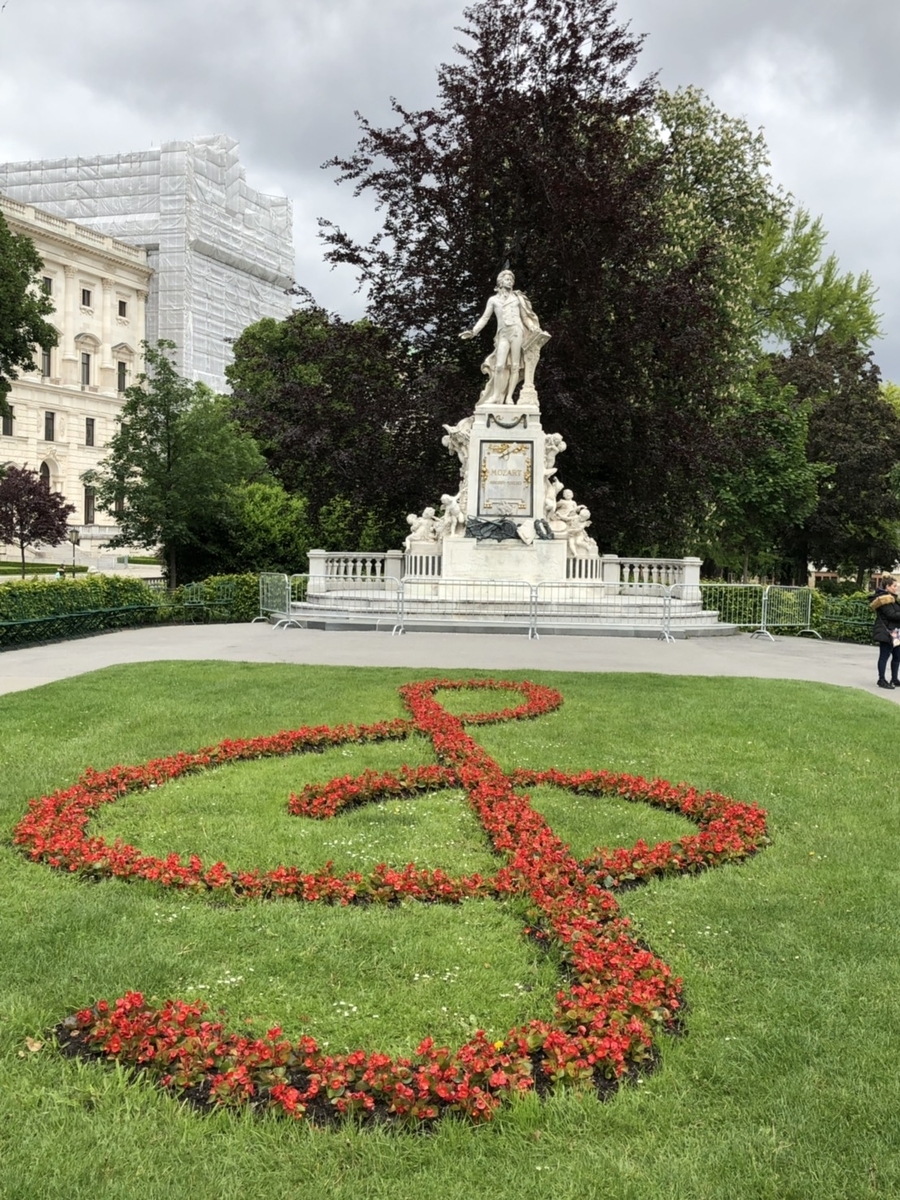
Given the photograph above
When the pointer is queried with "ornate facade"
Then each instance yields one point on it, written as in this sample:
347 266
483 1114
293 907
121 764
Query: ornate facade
64 413
222 253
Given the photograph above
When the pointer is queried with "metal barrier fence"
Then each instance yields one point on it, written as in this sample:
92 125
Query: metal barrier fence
738 604
759 608
515 605
506 602
299 586
787 608
275 600
379 597
847 619
577 605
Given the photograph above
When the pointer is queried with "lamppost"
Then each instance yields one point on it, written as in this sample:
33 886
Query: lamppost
74 537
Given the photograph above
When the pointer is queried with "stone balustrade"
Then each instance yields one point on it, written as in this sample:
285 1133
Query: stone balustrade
333 570
336 570
586 569
667 572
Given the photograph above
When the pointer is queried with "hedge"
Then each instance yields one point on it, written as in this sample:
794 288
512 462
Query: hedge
246 595
104 602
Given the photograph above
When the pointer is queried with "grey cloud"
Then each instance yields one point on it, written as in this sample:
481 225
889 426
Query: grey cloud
284 78
699 40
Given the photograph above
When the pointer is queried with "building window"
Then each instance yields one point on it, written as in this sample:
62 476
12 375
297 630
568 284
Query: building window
8 419
47 285
85 369
88 506
89 431
49 428
123 308
45 363
85 297
121 376
45 476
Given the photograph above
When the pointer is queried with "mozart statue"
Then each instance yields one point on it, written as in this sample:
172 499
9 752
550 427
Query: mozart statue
517 344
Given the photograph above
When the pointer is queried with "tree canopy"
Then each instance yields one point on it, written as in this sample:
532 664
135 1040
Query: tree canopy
342 419
171 464
854 432
629 215
23 308
660 255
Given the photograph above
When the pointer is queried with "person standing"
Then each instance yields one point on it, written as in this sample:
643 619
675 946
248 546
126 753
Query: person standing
886 631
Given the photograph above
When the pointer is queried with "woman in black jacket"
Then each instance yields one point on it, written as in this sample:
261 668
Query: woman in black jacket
886 631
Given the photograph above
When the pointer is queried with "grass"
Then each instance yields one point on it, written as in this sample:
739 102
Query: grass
784 1087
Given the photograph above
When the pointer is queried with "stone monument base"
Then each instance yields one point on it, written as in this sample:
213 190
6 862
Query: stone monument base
468 559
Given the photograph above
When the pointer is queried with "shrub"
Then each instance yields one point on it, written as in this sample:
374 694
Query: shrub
83 606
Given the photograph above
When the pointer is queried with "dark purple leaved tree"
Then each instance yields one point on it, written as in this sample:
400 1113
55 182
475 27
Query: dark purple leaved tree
538 152
30 514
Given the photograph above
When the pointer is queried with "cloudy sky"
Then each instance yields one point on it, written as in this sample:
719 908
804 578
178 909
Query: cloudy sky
284 78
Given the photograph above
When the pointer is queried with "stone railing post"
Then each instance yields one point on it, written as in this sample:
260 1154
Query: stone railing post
691 582
610 569
318 581
393 564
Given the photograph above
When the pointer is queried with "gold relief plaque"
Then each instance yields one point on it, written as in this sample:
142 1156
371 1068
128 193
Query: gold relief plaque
504 479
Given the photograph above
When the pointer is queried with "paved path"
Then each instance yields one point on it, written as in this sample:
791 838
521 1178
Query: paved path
742 655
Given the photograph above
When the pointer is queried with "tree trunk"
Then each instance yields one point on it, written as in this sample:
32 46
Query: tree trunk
173 582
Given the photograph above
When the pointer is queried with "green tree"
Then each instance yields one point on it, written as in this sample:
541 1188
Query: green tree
30 514
259 527
342 420
801 295
23 307
855 431
542 150
783 290
769 485
172 462
891 393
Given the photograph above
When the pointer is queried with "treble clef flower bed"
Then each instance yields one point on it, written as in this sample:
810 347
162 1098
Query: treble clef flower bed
616 995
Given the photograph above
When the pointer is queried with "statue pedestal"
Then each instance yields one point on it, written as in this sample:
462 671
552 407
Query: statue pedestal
505 470
541 562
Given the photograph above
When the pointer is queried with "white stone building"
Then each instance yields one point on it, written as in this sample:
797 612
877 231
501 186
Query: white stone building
64 413
221 253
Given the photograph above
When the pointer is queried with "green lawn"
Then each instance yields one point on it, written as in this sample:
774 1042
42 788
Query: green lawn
785 1084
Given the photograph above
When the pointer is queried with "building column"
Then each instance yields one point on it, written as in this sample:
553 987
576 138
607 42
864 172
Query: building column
69 365
106 345
141 331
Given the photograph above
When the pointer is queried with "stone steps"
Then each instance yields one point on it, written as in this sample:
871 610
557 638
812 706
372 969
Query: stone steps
639 617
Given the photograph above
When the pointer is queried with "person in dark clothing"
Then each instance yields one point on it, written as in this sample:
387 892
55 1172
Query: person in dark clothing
886 631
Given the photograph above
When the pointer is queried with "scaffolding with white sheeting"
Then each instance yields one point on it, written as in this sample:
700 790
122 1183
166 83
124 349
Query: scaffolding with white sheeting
222 252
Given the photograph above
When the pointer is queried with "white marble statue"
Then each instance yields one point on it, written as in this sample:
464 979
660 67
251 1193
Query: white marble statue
553 445
422 529
566 506
456 440
517 342
552 488
579 543
453 520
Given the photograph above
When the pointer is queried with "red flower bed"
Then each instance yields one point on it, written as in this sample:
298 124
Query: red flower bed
617 993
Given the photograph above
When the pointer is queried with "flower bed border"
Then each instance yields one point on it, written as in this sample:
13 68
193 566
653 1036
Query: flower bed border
617 994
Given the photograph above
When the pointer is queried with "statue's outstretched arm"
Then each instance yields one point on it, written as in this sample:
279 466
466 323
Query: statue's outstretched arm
482 320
